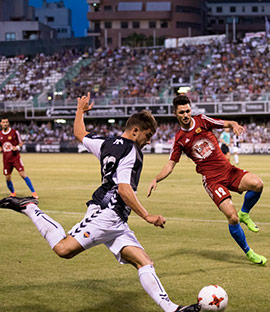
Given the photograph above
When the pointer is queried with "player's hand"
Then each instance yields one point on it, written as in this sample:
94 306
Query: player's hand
152 186
237 129
83 103
157 220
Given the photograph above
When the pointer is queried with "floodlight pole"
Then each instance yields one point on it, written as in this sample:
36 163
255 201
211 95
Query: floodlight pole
105 38
234 30
119 39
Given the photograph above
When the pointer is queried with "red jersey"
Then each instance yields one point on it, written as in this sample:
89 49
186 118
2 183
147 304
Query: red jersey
201 145
7 140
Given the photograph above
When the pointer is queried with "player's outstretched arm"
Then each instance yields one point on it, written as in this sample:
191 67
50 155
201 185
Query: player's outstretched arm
82 107
129 197
166 170
237 129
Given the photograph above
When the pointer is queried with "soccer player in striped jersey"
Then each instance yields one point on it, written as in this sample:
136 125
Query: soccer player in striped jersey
196 139
236 140
105 221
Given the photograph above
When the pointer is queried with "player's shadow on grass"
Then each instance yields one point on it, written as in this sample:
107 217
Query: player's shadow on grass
217 255
88 295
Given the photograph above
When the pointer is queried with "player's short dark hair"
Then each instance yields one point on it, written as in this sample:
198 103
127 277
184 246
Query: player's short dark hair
3 117
180 100
144 120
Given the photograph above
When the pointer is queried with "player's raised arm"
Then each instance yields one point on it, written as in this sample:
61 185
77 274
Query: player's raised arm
82 107
165 171
129 197
237 129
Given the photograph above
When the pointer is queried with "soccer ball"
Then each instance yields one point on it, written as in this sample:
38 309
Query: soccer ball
213 298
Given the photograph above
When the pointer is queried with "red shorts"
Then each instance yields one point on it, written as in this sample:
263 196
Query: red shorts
219 188
9 165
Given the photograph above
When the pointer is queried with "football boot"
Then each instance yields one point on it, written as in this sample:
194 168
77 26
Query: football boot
17 203
255 258
245 218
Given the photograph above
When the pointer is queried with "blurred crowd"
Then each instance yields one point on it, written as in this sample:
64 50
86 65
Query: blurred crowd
55 133
135 72
257 133
29 77
214 71
240 69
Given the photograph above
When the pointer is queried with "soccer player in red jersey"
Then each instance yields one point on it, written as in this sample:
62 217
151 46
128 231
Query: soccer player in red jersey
197 141
10 145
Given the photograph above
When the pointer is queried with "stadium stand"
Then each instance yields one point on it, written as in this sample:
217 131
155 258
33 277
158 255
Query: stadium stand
236 72
217 71
126 73
32 76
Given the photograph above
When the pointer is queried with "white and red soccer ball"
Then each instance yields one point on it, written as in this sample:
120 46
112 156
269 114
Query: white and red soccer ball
213 298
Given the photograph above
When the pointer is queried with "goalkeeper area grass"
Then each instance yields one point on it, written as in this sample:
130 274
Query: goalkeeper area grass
194 249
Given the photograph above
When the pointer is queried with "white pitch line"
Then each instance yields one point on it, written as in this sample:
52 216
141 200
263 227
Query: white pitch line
168 218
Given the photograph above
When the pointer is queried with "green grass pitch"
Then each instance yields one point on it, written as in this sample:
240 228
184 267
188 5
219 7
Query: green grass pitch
194 250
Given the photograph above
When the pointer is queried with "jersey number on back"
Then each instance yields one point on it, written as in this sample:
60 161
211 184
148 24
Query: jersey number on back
108 164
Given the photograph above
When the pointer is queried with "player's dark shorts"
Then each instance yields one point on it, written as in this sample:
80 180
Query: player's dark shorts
225 149
9 165
218 188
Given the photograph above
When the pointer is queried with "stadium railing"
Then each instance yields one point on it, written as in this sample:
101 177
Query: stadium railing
228 104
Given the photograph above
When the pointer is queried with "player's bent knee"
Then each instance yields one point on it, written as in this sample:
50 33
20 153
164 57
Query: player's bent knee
256 184
66 255
63 252
233 219
259 185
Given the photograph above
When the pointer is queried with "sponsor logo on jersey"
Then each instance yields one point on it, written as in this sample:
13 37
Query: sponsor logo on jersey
118 141
86 234
203 149
198 130
7 147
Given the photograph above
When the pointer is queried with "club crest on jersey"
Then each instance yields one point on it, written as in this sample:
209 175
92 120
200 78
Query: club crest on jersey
86 234
10 137
198 130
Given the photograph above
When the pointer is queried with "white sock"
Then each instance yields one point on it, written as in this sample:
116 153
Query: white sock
152 285
51 230
236 158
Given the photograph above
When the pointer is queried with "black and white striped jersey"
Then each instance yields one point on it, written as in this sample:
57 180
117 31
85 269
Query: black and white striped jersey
236 140
121 162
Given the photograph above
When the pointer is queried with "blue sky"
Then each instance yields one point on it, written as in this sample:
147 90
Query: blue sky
79 11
